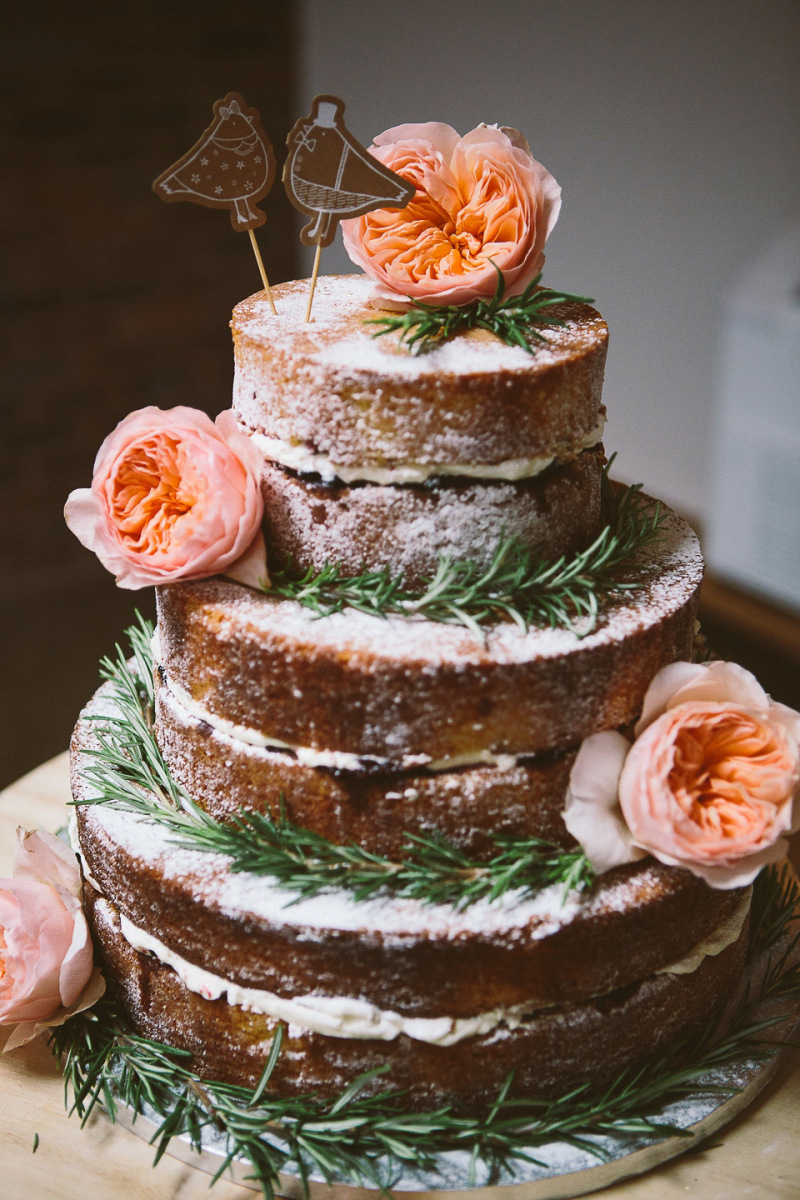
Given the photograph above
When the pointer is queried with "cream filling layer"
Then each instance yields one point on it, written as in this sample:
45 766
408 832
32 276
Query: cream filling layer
334 1016
338 760
349 1017
300 458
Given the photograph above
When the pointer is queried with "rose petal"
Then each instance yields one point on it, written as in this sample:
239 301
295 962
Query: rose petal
436 134
77 964
83 515
251 568
663 687
37 930
26 1031
725 876
45 945
242 446
711 780
516 138
592 814
43 856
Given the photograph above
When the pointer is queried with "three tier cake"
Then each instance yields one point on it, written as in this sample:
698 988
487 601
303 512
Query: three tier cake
416 788
367 728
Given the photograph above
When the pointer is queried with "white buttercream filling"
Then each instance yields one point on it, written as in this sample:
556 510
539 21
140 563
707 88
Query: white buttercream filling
349 1017
335 1016
339 760
299 457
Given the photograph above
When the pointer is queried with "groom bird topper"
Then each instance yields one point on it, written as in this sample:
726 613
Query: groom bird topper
231 166
330 175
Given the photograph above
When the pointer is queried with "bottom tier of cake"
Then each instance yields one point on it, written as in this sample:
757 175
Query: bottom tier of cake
559 988
549 1052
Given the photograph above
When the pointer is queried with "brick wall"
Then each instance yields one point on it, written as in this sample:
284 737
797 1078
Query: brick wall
110 299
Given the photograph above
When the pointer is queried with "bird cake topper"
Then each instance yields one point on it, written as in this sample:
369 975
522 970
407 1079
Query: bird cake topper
330 175
232 165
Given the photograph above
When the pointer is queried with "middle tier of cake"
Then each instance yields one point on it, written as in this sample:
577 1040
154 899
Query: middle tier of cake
376 456
366 726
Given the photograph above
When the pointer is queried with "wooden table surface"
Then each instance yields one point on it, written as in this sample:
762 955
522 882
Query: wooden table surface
757 1157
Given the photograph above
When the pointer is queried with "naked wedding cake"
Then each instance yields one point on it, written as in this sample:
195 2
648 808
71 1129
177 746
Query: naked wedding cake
371 717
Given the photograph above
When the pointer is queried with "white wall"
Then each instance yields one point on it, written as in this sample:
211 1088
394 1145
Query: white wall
672 126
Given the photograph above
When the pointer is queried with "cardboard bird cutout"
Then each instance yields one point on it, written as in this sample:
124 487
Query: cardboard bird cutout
330 175
231 166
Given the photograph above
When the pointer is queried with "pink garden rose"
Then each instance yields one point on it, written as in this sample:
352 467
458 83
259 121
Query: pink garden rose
173 496
708 784
479 200
45 950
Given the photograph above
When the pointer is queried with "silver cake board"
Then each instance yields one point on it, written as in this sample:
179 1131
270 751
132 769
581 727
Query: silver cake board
565 1170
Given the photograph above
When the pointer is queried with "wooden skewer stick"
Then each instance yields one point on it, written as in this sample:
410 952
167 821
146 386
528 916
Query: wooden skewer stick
264 279
314 274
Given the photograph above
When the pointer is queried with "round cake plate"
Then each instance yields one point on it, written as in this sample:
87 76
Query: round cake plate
564 1170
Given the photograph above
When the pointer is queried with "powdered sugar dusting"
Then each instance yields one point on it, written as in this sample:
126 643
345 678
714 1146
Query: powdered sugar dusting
331 388
339 297
253 896
245 895
414 686
672 570
395 920
407 528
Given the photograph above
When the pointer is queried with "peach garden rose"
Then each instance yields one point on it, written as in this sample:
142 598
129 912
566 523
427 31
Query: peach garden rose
710 782
480 200
46 953
173 496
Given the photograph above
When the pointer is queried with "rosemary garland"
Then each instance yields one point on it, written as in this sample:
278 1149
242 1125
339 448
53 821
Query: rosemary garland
516 586
368 1140
128 772
424 326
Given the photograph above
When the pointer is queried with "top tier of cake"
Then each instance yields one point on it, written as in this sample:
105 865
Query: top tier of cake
330 398
374 456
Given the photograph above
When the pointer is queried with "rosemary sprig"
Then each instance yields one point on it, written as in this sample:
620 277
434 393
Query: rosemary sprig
424 326
776 903
366 1140
127 759
515 586
128 772
430 869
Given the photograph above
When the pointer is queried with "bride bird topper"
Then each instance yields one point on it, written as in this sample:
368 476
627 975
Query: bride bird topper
330 176
231 166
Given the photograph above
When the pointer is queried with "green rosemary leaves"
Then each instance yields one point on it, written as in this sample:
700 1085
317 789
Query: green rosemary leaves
513 320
